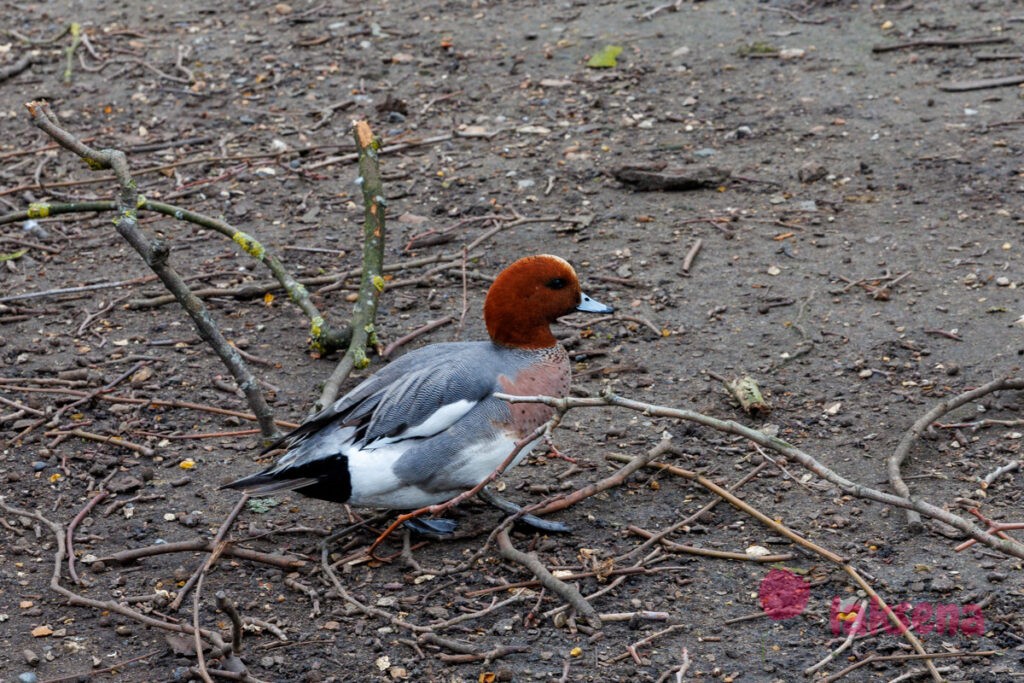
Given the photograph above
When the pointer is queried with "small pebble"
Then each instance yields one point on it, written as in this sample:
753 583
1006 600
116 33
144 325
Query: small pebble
31 658
1003 281
28 677
38 465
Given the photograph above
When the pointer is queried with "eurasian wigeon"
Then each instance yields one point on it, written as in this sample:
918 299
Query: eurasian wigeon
427 426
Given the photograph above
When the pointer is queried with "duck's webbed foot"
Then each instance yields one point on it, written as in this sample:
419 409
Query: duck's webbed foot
510 508
437 529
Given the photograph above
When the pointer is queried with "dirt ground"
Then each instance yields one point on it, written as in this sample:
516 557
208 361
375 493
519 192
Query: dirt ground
860 258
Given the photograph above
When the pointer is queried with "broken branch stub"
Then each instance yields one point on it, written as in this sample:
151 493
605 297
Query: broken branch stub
364 313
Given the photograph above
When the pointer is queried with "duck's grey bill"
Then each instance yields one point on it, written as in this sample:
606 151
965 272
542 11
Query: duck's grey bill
588 305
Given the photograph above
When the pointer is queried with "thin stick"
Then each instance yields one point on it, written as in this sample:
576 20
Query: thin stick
286 562
398 147
633 464
790 451
739 504
564 590
895 460
708 552
110 605
902 658
148 402
71 533
73 678
155 254
465 296
226 605
933 42
783 530
656 538
861 615
86 397
691 255
631 650
200 658
403 340
113 440
217 546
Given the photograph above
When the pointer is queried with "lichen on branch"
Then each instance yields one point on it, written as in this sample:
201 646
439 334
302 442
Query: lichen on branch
155 253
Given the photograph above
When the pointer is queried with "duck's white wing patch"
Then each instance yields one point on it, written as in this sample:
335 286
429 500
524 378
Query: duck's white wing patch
438 421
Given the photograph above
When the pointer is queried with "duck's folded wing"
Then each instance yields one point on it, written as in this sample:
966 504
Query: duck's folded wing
421 394
428 401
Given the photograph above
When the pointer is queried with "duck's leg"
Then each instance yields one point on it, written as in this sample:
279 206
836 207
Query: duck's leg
510 508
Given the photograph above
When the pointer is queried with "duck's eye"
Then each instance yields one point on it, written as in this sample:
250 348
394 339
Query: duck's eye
557 283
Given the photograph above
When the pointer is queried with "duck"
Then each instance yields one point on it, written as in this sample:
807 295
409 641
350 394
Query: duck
427 426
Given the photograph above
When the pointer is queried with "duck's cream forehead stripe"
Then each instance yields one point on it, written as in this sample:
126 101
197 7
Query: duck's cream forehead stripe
560 260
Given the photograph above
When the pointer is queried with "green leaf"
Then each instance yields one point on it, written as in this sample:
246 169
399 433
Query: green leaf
605 58
261 505
13 256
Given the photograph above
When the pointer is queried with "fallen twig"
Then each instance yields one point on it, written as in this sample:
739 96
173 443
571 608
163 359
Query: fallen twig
997 528
106 606
71 532
564 590
683 523
155 254
14 69
657 177
323 338
790 451
405 339
895 460
708 552
936 42
112 440
217 547
388 149
991 477
807 544
862 613
226 605
691 254
85 398
903 658
148 402
982 84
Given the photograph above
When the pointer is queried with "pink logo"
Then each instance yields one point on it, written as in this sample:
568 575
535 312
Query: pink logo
784 595
923 618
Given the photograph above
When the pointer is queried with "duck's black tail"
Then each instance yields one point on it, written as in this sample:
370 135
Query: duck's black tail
323 478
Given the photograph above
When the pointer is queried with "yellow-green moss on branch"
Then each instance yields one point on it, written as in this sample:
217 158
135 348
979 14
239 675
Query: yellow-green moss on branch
326 338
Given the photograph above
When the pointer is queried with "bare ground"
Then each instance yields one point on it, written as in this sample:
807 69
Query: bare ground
845 170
